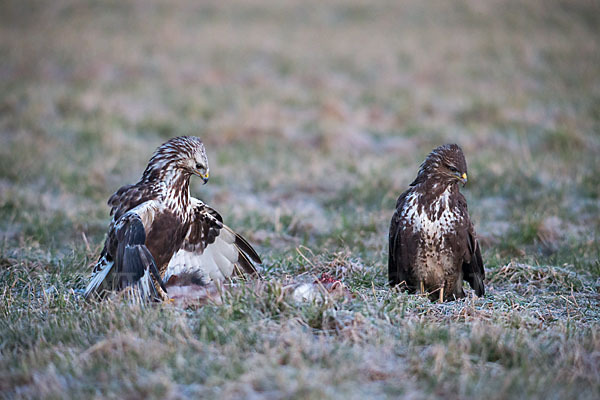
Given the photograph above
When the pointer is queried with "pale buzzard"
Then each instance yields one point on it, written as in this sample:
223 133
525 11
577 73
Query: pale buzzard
159 234
432 242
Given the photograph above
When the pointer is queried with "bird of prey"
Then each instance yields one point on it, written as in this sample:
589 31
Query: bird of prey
160 235
432 242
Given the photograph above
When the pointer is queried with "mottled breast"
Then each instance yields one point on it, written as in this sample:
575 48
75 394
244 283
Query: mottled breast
435 222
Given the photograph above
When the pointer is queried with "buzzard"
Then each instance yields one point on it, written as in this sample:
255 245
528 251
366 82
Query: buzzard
160 235
432 242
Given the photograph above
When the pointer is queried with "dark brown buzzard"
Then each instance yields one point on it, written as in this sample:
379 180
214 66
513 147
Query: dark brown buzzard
160 235
433 245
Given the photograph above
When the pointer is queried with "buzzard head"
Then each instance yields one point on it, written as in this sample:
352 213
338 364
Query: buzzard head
446 164
183 155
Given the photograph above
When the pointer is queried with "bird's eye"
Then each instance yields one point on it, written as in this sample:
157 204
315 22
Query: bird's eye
199 166
451 168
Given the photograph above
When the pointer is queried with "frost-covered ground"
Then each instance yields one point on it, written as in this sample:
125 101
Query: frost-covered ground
315 117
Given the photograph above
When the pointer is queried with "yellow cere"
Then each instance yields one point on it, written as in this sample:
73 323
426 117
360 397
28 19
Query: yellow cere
464 175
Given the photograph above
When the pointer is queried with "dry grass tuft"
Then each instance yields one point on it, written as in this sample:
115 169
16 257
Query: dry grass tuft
546 277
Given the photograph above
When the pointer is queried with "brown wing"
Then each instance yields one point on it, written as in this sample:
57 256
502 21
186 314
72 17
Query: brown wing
210 251
402 247
472 265
126 261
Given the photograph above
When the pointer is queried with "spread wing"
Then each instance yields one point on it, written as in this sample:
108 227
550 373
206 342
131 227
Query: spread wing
125 260
402 247
472 266
210 251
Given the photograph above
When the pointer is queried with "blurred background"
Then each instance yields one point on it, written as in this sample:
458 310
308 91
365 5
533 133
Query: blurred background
316 116
307 109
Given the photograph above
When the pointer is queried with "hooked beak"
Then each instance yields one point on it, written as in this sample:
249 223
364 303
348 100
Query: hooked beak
461 177
204 177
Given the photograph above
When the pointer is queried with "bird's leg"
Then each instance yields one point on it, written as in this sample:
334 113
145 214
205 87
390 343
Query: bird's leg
161 293
164 296
442 294
422 287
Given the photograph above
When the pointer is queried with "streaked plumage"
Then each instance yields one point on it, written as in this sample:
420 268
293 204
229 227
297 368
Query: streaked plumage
432 242
160 235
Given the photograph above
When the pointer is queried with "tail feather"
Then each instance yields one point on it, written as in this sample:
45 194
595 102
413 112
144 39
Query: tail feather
133 266
99 282
107 279
138 271
150 266
143 289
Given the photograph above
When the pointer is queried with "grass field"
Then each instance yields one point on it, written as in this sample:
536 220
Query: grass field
315 117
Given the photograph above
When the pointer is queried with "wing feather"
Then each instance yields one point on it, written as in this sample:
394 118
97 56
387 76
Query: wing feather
126 261
210 251
398 257
472 266
246 265
243 245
